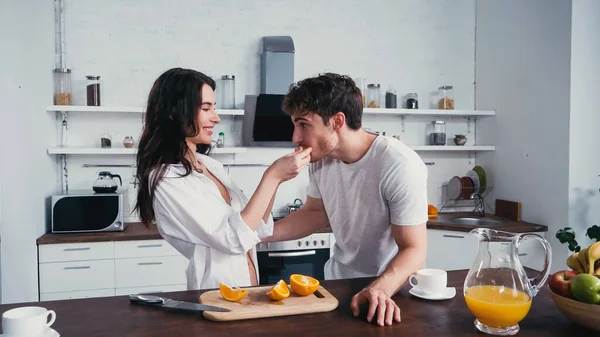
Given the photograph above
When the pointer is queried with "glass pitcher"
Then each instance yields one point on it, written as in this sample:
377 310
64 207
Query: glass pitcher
497 290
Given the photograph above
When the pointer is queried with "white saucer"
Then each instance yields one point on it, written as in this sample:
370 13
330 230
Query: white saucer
48 333
448 293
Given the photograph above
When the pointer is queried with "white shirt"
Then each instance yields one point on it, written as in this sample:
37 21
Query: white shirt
192 216
387 186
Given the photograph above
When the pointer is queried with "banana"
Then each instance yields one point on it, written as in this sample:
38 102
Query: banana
593 255
597 272
583 260
574 263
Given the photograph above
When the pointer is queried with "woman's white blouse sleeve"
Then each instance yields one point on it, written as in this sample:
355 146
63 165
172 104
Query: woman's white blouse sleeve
197 215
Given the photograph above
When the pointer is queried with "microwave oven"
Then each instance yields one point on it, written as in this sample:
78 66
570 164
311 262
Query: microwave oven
82 212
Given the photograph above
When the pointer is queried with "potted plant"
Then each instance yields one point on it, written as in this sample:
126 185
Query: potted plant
567 235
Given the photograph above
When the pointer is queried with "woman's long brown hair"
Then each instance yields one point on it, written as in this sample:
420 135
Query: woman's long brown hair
171 116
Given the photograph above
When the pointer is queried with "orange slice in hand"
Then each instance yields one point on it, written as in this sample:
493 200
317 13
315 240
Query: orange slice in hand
279 291
232 294
303 285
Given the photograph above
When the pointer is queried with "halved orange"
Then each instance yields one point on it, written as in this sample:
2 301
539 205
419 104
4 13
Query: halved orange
432 210
303 285
279 291
232 294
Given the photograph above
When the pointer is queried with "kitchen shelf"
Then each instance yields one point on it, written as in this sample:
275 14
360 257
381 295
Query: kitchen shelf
453 148
428 112
131 109
116 151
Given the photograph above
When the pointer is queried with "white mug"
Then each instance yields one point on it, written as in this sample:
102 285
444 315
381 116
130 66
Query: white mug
26 321
429 281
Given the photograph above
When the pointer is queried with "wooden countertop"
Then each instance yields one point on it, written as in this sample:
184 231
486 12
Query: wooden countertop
115 316
443 221
133 231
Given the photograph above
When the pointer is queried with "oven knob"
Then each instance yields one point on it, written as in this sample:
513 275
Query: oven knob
299 243
322 242
307 243
268 245
315 243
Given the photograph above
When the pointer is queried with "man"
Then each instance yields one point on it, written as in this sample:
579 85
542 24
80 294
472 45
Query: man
371 189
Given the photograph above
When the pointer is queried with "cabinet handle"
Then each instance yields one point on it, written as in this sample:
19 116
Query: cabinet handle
150 246
454 236
293 254
81 267
523 254
76 249
148 263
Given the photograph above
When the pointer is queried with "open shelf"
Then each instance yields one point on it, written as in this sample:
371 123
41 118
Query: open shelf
453 148
428 112
115 151
125 109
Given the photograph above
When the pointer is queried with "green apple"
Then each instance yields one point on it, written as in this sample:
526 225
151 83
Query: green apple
586 288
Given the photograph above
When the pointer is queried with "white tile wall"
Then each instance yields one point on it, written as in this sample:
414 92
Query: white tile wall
414 45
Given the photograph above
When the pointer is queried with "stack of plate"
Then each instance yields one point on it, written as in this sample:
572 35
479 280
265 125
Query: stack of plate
475 181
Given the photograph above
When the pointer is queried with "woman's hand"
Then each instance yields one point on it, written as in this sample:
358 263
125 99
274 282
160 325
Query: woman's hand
288 166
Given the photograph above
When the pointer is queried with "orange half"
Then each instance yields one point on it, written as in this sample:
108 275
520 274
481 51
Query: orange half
279 291
232 294
303 285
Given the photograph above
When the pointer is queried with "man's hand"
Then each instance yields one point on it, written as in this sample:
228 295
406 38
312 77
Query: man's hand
387 310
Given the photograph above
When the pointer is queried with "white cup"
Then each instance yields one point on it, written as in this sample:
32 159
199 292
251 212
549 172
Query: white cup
26 321
429 281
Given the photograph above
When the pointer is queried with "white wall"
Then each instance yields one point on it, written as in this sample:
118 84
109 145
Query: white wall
523 51
27 173
415 45
584 161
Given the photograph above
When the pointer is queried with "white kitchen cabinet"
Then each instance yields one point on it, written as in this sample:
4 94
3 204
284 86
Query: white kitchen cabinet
150 289
79 270
450 250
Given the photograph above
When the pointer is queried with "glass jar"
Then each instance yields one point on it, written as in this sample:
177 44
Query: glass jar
412 100
391 101
221 140
105 140
373 96
227 92
62 87
360 83
437 134
93 90
446 97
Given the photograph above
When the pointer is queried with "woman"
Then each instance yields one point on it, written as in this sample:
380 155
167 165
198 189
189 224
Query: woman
197 207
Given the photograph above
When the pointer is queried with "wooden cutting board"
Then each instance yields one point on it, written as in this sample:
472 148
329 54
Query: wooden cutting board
256 304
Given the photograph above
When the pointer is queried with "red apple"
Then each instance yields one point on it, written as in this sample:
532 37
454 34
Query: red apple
559 282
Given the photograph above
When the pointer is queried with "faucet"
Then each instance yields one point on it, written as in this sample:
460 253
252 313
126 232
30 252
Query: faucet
480 205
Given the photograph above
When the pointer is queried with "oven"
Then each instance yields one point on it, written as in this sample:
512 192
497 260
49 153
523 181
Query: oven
306 256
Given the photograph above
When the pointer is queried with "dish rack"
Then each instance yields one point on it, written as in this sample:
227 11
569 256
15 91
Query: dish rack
459 204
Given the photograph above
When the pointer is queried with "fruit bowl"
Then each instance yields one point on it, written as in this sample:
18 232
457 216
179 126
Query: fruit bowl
587 315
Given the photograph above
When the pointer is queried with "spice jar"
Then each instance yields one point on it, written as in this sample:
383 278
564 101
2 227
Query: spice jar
62 87
390 98
446 98
105 140
93 90
128 142
412 101
373 95
221 140
437 134
227 92
360 83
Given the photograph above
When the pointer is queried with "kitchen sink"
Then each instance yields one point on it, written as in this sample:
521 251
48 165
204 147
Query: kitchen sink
478 221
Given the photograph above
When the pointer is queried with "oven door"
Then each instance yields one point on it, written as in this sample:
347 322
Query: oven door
276 265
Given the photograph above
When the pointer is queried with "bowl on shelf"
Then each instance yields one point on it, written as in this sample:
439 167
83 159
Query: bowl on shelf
587 315
460 140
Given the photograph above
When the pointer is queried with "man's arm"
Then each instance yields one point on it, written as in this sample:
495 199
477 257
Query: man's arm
412 245
300 223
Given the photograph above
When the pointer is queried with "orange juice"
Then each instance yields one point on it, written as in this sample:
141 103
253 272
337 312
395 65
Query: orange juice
497 306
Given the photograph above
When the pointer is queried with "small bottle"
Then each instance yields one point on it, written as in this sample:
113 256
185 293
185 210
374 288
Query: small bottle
105 140
93 90
390 98
221 140
128 142
227 92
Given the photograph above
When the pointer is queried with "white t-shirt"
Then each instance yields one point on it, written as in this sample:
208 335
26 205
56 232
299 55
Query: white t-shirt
387 186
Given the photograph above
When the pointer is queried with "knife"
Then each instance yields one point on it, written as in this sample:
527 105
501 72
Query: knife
168 303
